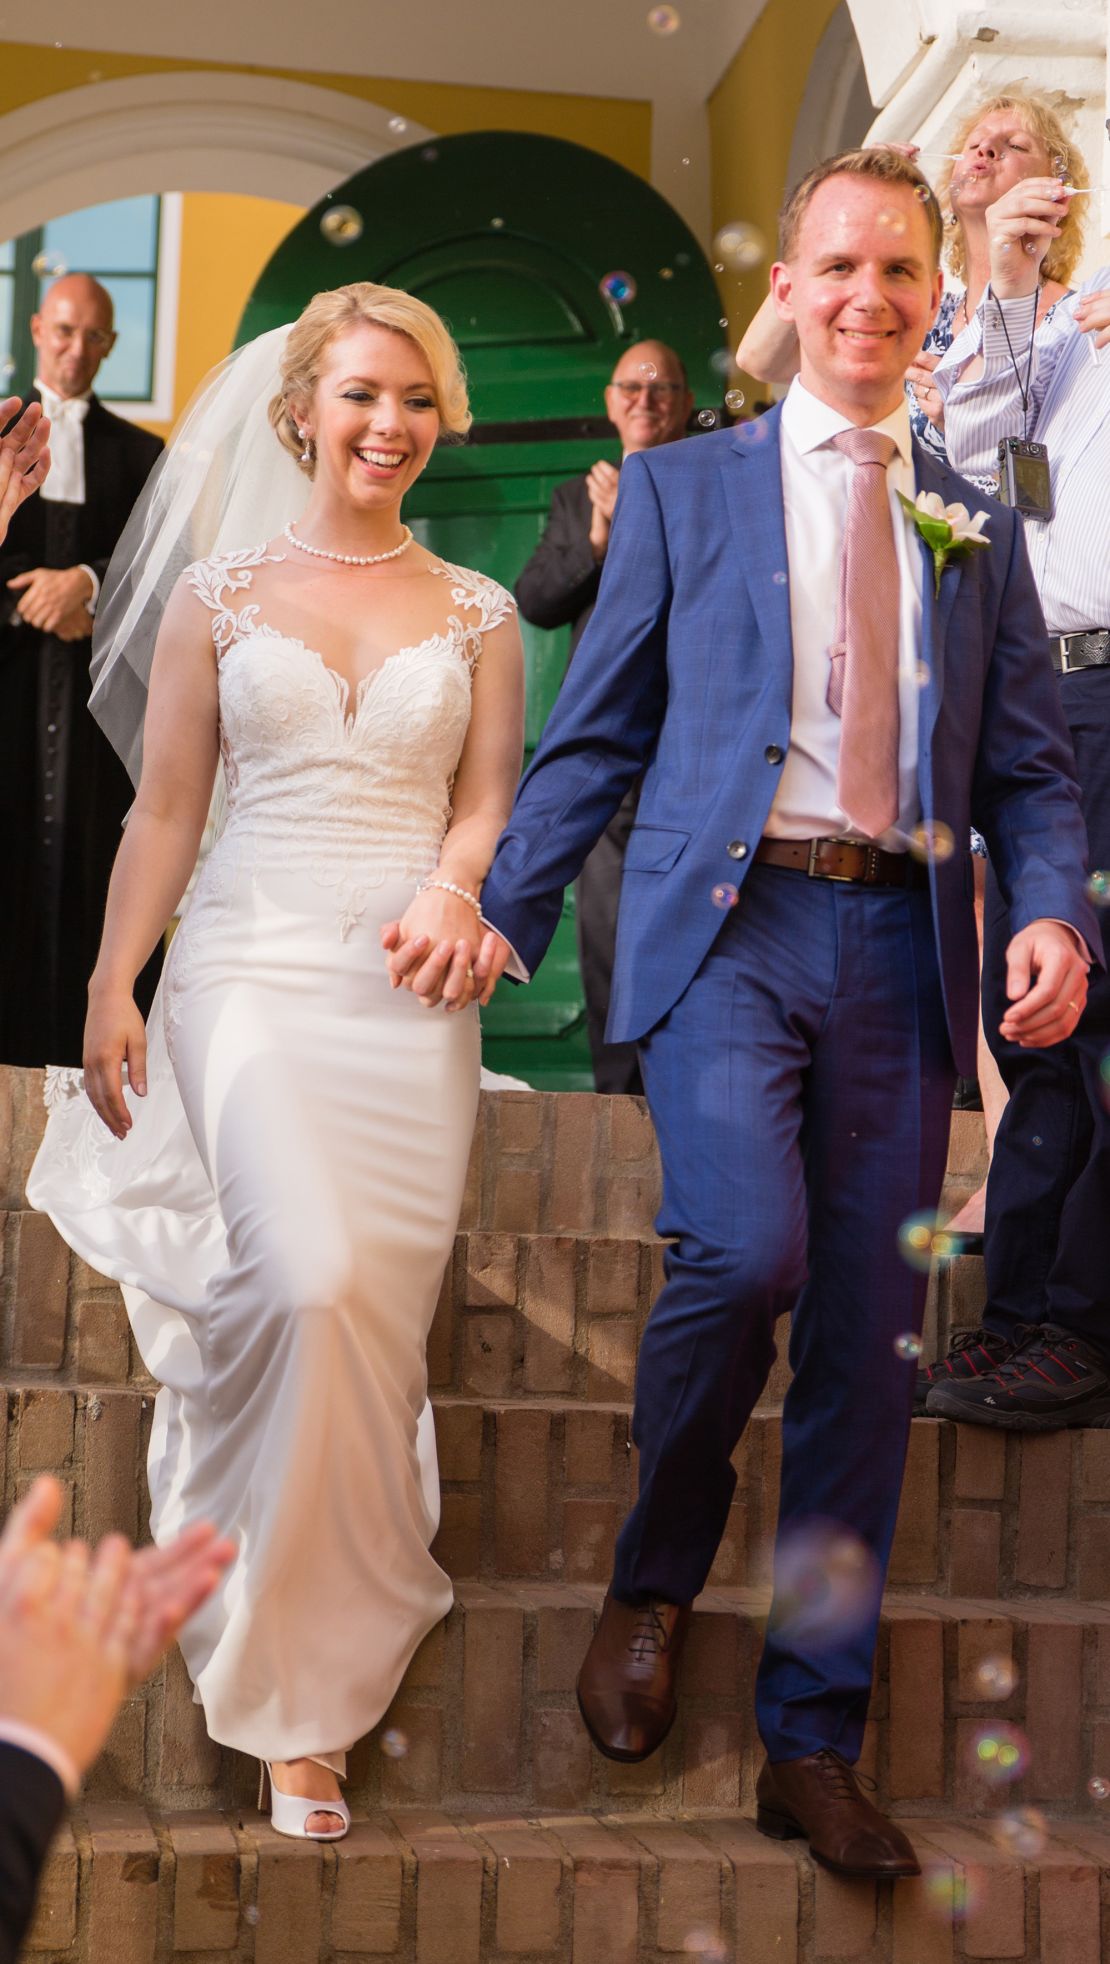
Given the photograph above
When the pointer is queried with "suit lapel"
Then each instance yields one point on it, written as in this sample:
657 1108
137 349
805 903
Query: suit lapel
751 474
936 608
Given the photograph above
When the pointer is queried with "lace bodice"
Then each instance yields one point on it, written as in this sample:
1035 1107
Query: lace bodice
351 792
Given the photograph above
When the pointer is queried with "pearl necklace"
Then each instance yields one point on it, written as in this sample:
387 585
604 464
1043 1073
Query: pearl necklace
348 558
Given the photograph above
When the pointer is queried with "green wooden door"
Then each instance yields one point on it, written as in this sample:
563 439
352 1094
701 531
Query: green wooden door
510 237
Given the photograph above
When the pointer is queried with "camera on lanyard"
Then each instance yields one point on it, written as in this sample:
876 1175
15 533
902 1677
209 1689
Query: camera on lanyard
1024 479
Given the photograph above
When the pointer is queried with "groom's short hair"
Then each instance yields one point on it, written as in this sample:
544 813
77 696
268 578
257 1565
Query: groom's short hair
883 166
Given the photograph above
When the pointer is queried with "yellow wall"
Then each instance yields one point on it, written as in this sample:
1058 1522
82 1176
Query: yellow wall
617 128
752 114
237 236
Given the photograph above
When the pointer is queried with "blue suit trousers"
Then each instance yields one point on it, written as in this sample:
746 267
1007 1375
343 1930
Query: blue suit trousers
801 1092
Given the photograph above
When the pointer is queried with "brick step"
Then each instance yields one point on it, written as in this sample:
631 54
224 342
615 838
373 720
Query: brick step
425 1887
519 1315
487 1716
537 1489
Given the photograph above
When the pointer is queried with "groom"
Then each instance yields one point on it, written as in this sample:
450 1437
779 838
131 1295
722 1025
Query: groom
768 650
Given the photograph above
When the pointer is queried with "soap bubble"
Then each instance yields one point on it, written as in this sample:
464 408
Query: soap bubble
666 272
920 1238
429 154
341 225
707 418
397 125
252 1913
664 20
685 160
734 400
827 1583
908 1346
921 674
950 1893
777 579
48 265
995 1677
720 361
648 371
7 369
1000 1753
705 1944
720 266
740 245
1023 1832
1060 168
724 896
619 288
923 194
497 224
932 840
1098 1788
1098 888
723 322
394 1744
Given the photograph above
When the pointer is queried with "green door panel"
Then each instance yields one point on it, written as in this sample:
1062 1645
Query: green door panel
509 238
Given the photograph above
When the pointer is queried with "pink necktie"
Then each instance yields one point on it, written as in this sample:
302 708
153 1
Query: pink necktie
863 680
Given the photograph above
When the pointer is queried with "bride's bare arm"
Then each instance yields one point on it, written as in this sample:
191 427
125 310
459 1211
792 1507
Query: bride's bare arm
157 852
440 937
769 349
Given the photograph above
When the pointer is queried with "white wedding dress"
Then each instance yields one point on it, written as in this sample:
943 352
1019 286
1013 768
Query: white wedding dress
282 1210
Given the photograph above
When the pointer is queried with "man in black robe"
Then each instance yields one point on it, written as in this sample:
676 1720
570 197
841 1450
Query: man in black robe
63 791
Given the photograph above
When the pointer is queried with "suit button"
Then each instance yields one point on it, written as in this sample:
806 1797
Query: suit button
774 753
736 849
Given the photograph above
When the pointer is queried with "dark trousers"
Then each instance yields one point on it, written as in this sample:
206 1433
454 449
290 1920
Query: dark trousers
801 1091
1047 1239
597 895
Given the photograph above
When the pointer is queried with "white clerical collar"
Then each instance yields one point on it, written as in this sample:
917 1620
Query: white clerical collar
810 423
56 405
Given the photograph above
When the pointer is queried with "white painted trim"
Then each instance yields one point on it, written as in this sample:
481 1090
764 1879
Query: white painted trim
168 289
258 135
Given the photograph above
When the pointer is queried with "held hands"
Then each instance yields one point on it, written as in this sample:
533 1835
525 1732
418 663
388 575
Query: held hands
1046 982
51 599
79 1629
24 457
920 375
1092 316
1021 226
115 1034
440 950
601 485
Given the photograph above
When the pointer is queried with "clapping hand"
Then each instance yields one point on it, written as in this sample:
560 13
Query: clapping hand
79 1630
601 487
24 457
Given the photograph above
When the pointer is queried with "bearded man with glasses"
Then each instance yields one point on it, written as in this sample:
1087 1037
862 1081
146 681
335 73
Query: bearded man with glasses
63 791
648 400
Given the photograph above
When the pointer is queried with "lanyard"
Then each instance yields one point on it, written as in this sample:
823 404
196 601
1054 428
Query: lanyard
1023 387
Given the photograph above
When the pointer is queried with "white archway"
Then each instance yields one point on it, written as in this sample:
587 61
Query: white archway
189 131
836 110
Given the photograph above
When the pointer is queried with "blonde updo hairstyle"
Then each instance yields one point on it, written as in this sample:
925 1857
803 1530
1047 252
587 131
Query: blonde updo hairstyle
332 313
1042 120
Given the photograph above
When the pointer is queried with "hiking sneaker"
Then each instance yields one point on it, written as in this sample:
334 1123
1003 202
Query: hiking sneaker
971 1354
1050 1380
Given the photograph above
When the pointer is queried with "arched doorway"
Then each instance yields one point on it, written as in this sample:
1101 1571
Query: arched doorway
509 237
836 110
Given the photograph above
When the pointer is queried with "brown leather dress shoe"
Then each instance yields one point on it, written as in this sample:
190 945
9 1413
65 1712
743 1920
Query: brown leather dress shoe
626 1687
818 1798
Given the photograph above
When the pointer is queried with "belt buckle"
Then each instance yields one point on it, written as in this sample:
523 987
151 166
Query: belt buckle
816 872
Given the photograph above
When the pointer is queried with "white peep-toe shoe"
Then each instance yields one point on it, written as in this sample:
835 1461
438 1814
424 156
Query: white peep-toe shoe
290 1813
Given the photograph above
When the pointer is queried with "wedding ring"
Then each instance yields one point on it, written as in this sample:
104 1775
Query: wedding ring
1075 1006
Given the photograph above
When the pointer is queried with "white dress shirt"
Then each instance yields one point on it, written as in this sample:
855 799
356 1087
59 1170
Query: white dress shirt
815 484
1069 412
65 480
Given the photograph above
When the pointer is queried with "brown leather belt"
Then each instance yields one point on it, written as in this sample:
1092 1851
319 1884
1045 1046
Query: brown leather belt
859 864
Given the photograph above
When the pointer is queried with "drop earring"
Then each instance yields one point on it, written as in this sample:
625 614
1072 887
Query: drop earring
306 453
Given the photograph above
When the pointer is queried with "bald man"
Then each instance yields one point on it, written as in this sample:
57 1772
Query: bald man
63 792
648 401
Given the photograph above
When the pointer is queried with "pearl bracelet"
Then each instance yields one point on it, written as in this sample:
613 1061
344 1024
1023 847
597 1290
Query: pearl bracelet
448 886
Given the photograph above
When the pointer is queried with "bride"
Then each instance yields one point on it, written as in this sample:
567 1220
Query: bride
282 1171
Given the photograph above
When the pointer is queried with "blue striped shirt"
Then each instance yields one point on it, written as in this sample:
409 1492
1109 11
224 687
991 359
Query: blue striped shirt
1069 412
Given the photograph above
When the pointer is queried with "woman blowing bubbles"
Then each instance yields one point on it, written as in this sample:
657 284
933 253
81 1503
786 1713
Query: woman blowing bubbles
278 1184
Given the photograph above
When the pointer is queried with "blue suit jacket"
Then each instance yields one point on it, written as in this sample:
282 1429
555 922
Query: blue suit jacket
687 667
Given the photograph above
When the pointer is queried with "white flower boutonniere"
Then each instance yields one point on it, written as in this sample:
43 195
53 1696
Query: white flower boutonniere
949 531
